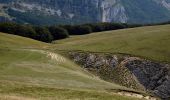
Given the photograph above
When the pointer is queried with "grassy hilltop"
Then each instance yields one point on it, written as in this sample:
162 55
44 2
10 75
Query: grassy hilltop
151 42
28 71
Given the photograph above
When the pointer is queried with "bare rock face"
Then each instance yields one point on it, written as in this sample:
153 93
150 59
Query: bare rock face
132 72
113 11
165 3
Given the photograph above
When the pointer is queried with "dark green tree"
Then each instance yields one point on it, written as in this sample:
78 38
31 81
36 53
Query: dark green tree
58 32
43 34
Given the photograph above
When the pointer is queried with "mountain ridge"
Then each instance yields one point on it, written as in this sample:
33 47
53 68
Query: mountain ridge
86 11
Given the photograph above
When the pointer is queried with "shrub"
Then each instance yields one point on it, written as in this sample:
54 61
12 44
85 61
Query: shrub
83 29
58 32
43 34
78 29
26 31
8 28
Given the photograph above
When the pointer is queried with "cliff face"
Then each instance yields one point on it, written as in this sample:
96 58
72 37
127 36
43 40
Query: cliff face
113 11
164 3
132 72
84 11
61 8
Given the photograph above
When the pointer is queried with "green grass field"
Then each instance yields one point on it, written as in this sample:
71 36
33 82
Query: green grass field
28 72
151 42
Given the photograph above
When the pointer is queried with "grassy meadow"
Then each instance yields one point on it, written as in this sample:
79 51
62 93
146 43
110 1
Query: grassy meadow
151 42
29 72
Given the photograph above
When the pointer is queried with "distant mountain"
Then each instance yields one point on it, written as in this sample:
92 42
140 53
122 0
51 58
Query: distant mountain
84 11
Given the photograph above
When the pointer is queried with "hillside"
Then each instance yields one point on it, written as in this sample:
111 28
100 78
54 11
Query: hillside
150 42
137 58
29 71
84 11
13 41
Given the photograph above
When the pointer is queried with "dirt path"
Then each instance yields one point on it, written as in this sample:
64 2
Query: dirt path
15 97
53 56
56 57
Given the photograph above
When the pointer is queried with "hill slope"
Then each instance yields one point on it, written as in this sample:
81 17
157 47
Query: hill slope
13 41
137 58
150 42
28 71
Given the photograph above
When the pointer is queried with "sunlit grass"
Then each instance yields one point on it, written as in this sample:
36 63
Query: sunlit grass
152 42
28 71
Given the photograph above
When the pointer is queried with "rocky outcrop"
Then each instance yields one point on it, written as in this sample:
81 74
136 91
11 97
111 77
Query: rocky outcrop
152 75
165 3
113 11
133 72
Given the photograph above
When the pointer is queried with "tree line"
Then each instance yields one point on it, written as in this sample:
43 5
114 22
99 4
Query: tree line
56 32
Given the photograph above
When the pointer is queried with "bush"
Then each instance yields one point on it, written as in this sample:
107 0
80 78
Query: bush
98 27
8 28
58 32
83 29
26 31
43 34
78 29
